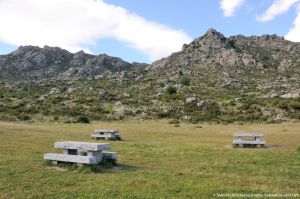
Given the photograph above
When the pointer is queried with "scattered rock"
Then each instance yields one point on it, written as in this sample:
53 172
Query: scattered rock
54 91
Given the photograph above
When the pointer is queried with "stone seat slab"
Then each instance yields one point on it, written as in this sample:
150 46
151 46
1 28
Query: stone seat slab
254 142
101 136
85 146
72 158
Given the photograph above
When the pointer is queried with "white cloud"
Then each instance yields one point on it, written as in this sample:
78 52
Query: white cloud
75 24
277 8
294 33
230 6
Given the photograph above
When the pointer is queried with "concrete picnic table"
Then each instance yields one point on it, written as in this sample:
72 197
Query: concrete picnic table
106 134
81 153
248 139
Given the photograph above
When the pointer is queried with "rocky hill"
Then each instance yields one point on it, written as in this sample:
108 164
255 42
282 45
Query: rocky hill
267 64
214 49
34 63
214 78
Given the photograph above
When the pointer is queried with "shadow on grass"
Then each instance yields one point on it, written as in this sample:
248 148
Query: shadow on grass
106 167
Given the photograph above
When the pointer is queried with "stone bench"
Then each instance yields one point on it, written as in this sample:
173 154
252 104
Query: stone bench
81 153
107 135
248 139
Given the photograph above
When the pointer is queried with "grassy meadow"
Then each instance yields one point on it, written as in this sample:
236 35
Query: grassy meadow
156 160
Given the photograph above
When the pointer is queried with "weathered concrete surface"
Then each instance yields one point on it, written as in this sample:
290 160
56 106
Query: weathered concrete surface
81 153
72 158
109 155
106 136
253 142
255 139
84 146
106 131
248 135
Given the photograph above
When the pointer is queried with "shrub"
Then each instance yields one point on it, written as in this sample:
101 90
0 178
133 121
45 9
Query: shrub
174 121
282 105
170 89
295 105
24 117
177 125
196 119
83 119
265 57
163 114
231 44
185 81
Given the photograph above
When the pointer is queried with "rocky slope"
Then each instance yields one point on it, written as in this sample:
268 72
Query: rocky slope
34 63
214 49
265 64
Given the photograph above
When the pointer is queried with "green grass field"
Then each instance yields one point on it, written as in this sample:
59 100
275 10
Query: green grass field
156 160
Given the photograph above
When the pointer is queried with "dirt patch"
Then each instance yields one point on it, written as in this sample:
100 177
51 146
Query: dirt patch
229 146
57 169
273 146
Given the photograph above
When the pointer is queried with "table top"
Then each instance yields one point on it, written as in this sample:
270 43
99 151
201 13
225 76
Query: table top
241 134
106 131
86 146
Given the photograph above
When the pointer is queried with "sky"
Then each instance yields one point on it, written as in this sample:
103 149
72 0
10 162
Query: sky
139 31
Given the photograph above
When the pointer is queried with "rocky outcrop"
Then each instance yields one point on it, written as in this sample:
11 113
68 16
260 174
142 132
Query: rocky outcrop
34 63
214 49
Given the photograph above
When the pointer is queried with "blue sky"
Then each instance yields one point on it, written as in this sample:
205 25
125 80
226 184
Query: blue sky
139 21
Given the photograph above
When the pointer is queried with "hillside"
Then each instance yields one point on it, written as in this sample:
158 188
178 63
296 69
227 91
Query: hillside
34 63
214 78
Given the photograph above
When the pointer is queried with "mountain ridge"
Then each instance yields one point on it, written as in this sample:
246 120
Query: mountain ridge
236 50
35 63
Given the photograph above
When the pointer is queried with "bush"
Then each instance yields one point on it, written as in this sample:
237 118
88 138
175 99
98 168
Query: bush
24 117
195 119
83 119
282 105
295 105
170 89
185 81
174 121
177 125
163 114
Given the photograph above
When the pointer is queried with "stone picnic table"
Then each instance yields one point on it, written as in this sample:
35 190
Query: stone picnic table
248 139
106 134
81 153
